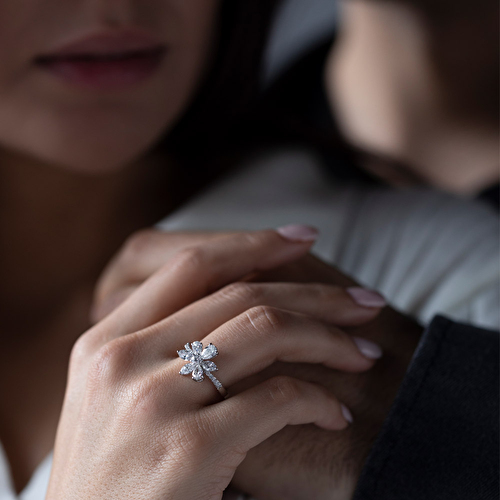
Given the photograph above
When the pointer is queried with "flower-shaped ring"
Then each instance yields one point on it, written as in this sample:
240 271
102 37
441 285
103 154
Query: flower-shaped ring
199 363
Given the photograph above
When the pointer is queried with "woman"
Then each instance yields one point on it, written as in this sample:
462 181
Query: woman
418 246
85 100
121 363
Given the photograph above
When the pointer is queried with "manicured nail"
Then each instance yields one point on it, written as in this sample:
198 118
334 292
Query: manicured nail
367 348
365 297
347 414
298 233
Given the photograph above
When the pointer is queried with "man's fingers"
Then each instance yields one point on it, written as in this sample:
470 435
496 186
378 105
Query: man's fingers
249 418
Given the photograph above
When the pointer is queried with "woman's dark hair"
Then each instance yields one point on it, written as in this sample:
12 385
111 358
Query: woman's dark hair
230 89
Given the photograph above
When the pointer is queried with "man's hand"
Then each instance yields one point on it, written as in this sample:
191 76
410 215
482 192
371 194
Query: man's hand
301 462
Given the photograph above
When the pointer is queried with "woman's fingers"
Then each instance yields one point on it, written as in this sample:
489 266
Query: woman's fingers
263 335
326 303
244 421
144 253
198 271
332 304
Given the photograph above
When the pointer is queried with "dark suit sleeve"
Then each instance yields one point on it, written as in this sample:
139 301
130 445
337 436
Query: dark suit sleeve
440 440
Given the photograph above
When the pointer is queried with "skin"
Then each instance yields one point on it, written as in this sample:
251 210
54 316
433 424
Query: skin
79 162
298 462
83 131
428 72
88 171
129 425
77 198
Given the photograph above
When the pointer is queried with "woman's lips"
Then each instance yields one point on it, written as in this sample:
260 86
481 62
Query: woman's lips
105 60
103 72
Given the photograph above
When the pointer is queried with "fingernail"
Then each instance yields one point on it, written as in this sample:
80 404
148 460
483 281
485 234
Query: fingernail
365 297
368 348
298 233
347 414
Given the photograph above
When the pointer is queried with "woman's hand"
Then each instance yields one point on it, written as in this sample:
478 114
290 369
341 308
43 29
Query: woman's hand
132 427
311 462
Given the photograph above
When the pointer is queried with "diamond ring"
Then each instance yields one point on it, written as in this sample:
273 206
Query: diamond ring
199 363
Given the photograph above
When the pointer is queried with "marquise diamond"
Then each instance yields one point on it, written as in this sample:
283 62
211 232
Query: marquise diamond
198 358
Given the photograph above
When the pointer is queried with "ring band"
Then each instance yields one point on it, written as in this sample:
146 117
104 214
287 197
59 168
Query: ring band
199 364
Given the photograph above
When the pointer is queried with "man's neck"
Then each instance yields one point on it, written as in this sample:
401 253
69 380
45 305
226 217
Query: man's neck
390 98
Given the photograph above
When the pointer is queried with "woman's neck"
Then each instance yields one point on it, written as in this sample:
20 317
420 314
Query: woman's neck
390 84
58 229
57 232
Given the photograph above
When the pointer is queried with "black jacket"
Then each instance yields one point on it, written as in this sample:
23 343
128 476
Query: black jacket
440 440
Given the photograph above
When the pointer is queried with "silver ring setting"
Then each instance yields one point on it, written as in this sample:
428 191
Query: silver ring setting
199 363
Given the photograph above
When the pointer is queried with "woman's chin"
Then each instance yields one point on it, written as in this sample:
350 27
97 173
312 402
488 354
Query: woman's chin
85 159
88 163
94 147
